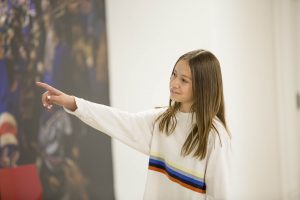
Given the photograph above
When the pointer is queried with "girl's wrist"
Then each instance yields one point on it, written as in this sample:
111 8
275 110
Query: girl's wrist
71 103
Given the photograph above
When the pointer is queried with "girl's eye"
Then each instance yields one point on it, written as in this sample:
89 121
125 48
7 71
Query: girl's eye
173 75
183 80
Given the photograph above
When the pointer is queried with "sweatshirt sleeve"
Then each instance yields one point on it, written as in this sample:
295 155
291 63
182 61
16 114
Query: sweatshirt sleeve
218 171
133 129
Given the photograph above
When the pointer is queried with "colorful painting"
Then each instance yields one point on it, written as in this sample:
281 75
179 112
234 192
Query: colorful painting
62 43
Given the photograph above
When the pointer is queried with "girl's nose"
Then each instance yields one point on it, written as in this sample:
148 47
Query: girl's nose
174 83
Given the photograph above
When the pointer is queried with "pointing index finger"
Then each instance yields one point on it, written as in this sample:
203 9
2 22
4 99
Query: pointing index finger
49 88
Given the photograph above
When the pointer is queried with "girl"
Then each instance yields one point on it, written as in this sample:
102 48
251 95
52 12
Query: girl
187 142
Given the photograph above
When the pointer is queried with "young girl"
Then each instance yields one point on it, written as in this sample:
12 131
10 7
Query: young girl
187 142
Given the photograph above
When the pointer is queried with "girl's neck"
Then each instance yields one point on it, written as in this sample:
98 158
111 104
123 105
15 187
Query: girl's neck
185 108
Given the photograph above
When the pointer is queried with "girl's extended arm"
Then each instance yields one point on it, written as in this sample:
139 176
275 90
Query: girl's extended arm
133 129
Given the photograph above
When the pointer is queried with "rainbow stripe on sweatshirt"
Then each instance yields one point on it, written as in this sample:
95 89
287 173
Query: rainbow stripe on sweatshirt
176 174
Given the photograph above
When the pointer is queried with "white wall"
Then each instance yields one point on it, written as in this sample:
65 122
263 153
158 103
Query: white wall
287 75
244 42
297 19
297 7
146 37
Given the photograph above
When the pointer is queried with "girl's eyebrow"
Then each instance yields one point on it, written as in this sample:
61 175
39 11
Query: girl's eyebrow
182 75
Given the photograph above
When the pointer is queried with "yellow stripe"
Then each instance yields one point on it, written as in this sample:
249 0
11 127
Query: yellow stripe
198 175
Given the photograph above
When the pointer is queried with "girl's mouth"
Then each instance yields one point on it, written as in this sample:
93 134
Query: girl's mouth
174 92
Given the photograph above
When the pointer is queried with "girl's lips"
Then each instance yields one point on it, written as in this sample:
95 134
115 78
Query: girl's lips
173 92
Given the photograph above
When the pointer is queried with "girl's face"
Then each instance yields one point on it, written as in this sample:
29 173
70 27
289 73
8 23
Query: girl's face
181 85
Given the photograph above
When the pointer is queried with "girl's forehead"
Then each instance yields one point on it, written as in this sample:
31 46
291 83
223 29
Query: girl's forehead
182 68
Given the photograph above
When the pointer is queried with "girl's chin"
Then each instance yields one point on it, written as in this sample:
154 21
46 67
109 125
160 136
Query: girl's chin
174 99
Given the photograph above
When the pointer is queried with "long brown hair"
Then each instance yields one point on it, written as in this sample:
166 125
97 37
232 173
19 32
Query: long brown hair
208 102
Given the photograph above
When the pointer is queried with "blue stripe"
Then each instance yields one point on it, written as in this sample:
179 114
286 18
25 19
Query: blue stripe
178 178
178 170
170 171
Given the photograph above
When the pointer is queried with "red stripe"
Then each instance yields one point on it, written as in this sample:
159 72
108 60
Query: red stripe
176 180
8 128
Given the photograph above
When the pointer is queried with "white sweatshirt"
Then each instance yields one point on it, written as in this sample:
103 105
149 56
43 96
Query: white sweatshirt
170 175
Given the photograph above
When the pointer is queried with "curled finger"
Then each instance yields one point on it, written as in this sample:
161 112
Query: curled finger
49 106
45 99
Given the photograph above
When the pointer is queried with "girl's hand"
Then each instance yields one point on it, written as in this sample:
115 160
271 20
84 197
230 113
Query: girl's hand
55 96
